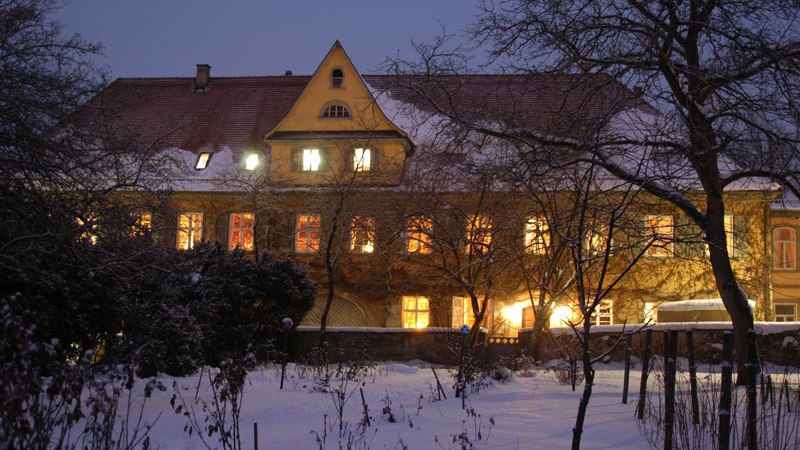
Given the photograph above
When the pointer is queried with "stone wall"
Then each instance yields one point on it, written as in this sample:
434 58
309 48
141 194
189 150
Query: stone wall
778 343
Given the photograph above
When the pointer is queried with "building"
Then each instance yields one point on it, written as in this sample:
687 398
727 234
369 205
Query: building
342 171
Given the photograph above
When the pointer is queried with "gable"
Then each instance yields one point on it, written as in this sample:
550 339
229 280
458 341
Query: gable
325 90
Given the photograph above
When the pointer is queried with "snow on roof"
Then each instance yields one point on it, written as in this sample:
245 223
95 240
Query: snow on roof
703 304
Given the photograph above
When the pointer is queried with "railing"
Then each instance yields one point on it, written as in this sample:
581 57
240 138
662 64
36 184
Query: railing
502 340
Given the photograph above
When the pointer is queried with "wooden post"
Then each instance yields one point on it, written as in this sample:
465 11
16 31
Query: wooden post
670 356
366 409
439 388
648 342
255 435
626 381
752 393
693 377
725 394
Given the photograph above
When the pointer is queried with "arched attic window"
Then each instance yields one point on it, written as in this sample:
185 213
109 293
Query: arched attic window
335 110
337 77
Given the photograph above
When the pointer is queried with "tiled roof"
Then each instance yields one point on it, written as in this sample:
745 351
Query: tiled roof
238 111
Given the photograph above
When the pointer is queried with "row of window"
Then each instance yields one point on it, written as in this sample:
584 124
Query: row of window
317 159
419 230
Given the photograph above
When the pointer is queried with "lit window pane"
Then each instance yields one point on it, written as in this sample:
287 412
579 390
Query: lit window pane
202 161
307 230
190 230
311 159
362 160
362 235
479 234
416 312
660 227
537 235
241 231
251 162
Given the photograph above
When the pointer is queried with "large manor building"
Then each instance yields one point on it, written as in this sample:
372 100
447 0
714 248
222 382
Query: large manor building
350 175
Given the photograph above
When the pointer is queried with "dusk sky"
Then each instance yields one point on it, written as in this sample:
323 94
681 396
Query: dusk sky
148 38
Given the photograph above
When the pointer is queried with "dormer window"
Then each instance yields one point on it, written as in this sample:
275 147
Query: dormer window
251 162
337 77
202 160
335 111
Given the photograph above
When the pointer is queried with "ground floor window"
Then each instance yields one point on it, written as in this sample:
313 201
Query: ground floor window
785 312
649 312
241 231
604 313
306 233
190 230
416 311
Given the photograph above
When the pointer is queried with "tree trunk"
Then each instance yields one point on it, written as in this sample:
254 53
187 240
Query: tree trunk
588 375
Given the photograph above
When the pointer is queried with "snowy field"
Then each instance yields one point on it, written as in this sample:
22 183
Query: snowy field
533 411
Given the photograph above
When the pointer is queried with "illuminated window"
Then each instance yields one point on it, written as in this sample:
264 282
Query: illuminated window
604 313
202 160
728 223
785 248
660 227
785 312
462 313
362 160
142 224
362 235
335 111
306 236
88 228
416 312
190 230
251 162
418 235
240 231
311 159
650 313
537 235
596 240
479 234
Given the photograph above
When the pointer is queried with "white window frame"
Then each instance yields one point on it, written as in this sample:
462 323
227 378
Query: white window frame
194 234
785 250
312 160
604 313
362 159
241 231
416 311
784 317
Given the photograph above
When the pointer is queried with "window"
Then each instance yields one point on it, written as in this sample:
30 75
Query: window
785 312
785 243
462 312
537 235
604 313
595 240
308 160
418 235
335 111
416 311
240 231
88 226
479 234
202 160
650 313
362 160
660 227
337 77
142 224
362 235
306 236
190 230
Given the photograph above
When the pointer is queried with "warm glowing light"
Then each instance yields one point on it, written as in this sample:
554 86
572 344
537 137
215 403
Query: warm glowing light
251 162
362 159
560 317
311 159
513 313
202 160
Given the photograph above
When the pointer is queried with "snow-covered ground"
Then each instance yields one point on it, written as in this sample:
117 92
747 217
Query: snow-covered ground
532 411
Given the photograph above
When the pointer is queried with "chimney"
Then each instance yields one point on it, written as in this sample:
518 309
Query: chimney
288 73
202 78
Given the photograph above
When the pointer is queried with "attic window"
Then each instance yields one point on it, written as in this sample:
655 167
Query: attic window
335 111
202 160
251 162
337 77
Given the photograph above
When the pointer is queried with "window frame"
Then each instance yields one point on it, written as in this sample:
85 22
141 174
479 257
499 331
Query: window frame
779 317
337 81
298 159
603 311
781 251
362 235
419 231
335 110
415 312
660 248
479 234
358 163
191 240
309 230
203 160
241 229
536 239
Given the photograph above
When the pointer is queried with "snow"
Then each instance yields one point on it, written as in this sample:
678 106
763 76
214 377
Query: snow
525 411
705 304
761 327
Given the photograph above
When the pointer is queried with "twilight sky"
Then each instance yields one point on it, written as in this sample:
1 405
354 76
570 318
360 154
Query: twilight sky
251 37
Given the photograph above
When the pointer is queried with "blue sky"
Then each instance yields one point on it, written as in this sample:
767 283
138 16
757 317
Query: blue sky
249 37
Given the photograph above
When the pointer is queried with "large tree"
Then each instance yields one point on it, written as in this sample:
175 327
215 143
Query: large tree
724 77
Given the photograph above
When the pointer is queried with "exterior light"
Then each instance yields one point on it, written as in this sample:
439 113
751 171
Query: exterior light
202 160
251 162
